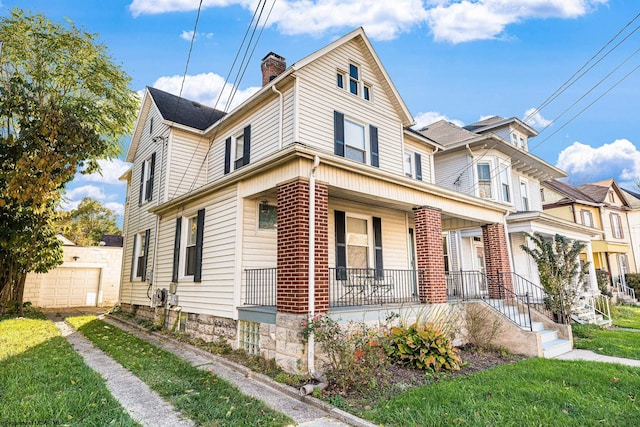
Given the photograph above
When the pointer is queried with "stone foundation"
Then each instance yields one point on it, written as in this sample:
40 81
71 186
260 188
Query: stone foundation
210 328
268 341
289 349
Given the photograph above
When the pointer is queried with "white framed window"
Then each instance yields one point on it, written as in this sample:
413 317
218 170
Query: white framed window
522 142
505 184
524 194
340 76
366 91
191 232
484 180
612 199
140 249
587 218
616 226
352 82
354 141
267 216
238 151
359 243
354 79
514 138
146 179
408 164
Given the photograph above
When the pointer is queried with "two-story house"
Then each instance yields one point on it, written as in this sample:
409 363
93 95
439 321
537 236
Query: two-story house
312 196
490 160
602 206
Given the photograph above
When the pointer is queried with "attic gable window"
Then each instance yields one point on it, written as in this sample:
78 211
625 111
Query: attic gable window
352 81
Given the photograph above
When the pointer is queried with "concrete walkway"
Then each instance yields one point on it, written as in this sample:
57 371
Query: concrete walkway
595 357
143 404
149 409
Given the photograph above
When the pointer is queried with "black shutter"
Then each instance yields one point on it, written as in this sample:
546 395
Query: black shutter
152 170
133 257
141 183
176 249
338 133
341 245
246 148
377 245
227 155
373 140
147 234
418 166
197 274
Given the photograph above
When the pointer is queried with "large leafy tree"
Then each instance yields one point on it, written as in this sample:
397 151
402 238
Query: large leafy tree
561 272
64 105
86 224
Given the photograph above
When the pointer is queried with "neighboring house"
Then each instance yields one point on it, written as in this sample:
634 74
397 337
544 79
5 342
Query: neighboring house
88 276
604 207
490 160
313 196
633 216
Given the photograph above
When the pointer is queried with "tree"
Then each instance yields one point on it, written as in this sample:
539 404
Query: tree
86 224
63 106
561 272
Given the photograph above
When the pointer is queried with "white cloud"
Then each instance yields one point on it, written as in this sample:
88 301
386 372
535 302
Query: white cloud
73 197
112 170
205 88
532 117
425 119
460 21
116 208
619 159
188 35
454 21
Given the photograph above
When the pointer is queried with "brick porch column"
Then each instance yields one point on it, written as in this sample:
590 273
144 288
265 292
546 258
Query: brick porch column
293 248
432 284
496 258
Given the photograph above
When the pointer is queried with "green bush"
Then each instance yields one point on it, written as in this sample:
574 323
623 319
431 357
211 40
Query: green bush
355 358
633 281
422 347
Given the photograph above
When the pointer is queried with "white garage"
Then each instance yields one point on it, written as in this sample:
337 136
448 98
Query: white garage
70 287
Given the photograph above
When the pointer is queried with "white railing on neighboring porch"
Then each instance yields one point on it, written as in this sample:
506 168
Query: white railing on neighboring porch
626 290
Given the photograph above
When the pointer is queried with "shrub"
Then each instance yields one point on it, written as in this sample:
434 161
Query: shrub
604 282
422 347
481 327
633 281
355 358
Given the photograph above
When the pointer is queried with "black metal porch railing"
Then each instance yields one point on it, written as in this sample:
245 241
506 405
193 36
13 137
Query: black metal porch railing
465 285
550 305
347 286
516 308
368 286
260 287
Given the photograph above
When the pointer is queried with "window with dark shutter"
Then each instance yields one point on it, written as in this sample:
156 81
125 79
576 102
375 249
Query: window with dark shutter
197 275
377 245
418 158
373 139
338 133
133 257
149 183
141 184
246 152
227 155
341 245
147 235
176 250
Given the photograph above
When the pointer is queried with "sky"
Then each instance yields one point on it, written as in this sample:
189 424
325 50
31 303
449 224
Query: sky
567 67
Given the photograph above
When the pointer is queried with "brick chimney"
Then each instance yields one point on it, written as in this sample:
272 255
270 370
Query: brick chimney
272 66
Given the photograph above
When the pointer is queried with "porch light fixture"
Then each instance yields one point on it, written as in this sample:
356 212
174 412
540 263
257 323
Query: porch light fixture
264 206
76 257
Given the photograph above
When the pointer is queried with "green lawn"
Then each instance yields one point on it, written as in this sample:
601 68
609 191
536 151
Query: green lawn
609 342
198 394
626 316
532 392
43 381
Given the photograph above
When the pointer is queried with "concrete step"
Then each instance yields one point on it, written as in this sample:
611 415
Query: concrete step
548 336
556 347
537 326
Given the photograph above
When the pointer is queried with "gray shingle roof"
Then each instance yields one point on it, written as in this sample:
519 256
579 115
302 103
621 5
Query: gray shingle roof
184 111
572 193
484 123
597 193
446 133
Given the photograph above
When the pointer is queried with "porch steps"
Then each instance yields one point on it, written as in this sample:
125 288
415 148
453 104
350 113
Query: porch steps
552 346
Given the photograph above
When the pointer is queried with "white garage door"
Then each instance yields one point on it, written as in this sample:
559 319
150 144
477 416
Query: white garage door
70 287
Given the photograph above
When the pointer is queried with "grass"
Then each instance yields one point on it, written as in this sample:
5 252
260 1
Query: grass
43 381
625 316
198 394
609 342
533 392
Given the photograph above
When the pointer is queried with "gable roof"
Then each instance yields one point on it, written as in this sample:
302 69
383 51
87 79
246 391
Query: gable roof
184 111
600 190
572 194
496 122
632 197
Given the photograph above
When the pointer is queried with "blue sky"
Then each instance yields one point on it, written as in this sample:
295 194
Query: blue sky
462 60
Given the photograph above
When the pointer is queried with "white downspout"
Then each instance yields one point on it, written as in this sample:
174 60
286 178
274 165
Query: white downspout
312 256
281 112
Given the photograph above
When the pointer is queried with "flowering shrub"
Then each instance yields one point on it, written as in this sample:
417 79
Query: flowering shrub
355 357
422 347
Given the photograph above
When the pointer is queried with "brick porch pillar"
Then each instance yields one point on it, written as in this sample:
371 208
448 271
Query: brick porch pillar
496 259
293 248
432 284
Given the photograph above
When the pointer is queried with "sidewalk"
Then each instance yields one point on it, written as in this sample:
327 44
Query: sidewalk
146 407
595 357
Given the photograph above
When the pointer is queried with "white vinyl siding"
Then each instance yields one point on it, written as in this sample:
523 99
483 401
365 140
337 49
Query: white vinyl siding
319 97
187 171
454 172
